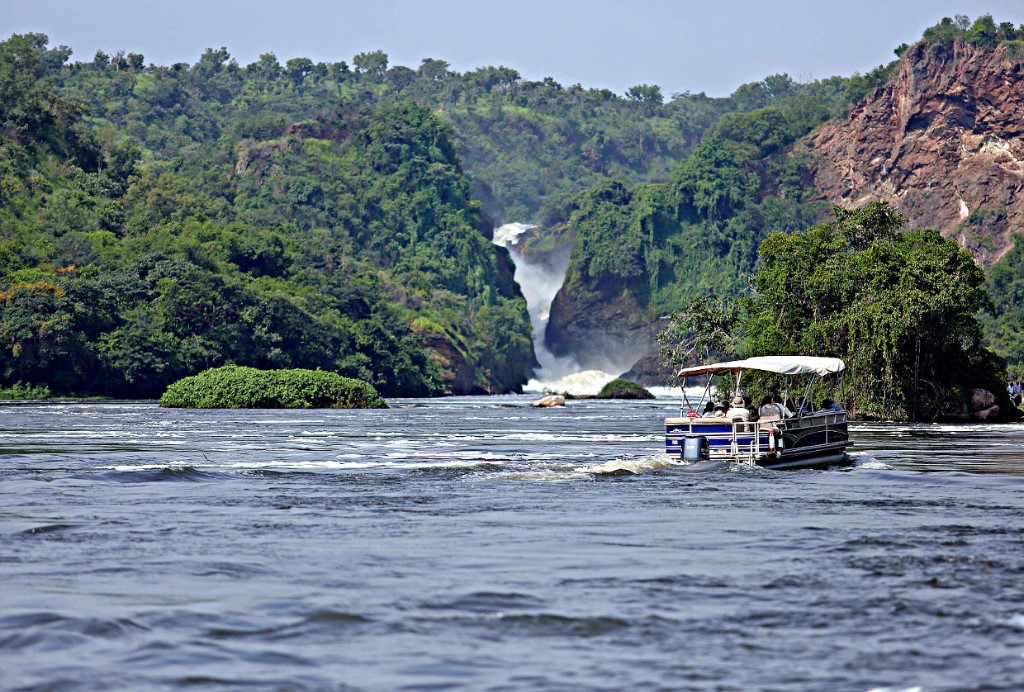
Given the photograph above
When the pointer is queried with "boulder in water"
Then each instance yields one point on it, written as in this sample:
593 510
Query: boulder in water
981 399
549 401
978 407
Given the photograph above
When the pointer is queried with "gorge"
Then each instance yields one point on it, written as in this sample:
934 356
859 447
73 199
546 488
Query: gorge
540 276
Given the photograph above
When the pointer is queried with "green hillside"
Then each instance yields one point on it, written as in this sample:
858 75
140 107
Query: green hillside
527 146
347 242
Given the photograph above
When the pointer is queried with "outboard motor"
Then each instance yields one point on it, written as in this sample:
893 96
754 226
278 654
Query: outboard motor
695 448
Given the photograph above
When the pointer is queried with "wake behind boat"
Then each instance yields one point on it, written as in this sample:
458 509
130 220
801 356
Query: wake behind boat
774 439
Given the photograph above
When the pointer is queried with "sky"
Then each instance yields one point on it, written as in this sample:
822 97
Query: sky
708 46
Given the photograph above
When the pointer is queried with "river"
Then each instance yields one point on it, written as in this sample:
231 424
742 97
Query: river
477 543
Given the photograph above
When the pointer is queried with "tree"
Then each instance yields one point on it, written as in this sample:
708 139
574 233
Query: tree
297 69
434 70
645 93
946 31
899 307
373 64
983 32
708 326
266 69
135 61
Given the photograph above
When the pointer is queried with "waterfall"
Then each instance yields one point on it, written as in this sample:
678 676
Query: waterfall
539 282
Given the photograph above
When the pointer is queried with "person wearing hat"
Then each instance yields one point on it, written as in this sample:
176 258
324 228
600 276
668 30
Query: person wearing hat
738 411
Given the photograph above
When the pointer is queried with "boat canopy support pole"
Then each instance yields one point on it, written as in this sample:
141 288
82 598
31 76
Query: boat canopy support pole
807 392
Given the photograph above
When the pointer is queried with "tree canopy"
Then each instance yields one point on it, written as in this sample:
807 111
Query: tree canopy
900 307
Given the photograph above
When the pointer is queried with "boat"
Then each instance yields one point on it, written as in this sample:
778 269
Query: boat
809 439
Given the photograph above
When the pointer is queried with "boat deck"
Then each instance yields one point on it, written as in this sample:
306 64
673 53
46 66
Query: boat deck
804 440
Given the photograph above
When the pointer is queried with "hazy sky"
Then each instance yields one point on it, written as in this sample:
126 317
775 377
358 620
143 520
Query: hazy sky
681 46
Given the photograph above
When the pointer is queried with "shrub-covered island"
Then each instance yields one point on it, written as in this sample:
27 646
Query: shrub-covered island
623 389
233 386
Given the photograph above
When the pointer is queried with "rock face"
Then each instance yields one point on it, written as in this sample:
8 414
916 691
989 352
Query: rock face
650 371
943 143
455 370
602 330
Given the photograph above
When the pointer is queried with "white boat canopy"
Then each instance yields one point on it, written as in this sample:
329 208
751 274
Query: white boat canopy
783 365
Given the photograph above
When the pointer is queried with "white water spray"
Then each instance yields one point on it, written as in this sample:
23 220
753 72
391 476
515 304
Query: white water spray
539 283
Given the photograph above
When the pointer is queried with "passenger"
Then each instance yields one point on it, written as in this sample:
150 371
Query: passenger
708 408
718 412
738 411
787 412
807 407
769 408
748 403
829 405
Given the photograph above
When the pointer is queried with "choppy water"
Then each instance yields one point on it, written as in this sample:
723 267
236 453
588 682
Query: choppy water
481 544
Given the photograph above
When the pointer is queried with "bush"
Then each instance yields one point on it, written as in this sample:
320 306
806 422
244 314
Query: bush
623 389
233 386
22 392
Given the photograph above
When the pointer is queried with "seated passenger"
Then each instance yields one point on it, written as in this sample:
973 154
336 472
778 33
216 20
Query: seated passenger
708 408
828 405
717 412
769 408
748 403
738 411
807 406
787 412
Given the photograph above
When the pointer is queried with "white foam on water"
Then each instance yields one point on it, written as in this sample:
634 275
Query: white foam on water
864 461
508 235
1016 621
641 465
586 382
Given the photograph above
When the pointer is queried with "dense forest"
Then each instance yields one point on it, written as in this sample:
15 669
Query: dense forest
158 220
526 146
700 229
348 241
899 305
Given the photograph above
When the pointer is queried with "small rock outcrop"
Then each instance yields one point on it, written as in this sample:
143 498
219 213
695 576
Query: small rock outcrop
980 407
549 401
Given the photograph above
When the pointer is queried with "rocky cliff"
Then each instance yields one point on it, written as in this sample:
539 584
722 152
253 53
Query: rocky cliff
607 329
943 142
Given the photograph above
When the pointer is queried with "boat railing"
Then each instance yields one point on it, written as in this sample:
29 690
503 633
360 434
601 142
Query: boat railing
736 440
747 440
